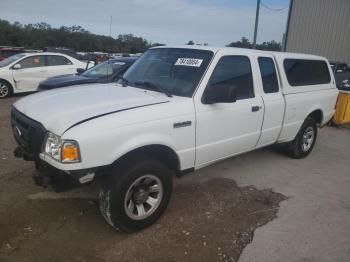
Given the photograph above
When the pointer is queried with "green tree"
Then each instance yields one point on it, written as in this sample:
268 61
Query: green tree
41 35
245 43
271 46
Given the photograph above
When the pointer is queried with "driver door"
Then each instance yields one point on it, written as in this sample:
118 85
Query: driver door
226 129
33 70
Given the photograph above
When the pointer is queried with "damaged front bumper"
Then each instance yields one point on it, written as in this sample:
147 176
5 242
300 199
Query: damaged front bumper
60 180
29 135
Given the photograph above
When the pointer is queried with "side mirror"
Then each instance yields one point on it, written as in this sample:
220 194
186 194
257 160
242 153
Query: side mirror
17 66
80 71
220 93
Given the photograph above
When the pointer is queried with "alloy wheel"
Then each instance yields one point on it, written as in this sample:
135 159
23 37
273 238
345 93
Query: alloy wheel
4 90
308 139
143 197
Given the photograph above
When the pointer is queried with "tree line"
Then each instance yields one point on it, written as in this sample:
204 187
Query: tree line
245 43
41 35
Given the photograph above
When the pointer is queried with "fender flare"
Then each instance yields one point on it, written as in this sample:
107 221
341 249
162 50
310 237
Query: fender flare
143 141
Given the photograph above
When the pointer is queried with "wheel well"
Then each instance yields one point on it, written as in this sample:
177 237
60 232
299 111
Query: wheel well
161 152
7 82
317 116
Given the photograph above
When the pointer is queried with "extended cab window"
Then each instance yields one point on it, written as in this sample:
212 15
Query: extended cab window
268 74
32 61
235 71
306 72
56 60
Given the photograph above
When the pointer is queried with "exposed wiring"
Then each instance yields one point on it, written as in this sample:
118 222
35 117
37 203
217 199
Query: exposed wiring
273 9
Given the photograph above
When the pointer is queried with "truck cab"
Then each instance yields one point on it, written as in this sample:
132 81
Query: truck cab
176 110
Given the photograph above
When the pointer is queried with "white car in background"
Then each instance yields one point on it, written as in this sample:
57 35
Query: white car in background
23 72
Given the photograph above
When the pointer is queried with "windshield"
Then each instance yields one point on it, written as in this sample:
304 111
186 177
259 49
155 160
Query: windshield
10 60
174 71
104 69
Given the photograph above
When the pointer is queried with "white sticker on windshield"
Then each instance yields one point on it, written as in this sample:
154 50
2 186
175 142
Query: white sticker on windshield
189 62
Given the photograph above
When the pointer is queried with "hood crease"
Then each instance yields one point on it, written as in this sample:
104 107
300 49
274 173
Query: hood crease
109 113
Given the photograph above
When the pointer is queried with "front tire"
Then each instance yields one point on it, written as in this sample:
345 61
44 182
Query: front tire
136 195
305 140
6 89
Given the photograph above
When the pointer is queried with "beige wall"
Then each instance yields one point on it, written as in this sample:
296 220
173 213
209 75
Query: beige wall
320 27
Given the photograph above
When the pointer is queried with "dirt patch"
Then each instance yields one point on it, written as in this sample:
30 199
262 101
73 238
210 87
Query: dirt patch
209 221
206 221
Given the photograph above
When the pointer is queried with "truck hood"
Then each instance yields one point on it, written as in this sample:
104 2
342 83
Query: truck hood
59 109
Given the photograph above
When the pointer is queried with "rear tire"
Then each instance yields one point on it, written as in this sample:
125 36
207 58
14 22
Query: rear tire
6 89
305 140
136 194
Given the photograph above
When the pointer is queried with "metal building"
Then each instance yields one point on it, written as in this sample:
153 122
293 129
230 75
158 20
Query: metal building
320 27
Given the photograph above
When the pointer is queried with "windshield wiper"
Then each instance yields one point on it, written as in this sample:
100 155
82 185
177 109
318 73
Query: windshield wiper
154 87
125 81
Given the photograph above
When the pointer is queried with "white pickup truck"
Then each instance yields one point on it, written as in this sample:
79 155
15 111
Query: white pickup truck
176 110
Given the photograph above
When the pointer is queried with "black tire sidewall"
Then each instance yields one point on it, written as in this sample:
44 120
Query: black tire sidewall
296 150
120 183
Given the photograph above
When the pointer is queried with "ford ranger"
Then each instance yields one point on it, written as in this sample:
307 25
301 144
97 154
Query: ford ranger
176 110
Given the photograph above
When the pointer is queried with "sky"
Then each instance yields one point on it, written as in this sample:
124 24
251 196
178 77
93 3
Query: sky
173 22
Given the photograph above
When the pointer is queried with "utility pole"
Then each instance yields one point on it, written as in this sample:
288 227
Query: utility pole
110 34
256 23
110 27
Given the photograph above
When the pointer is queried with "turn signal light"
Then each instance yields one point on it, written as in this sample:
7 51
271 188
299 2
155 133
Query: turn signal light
70 152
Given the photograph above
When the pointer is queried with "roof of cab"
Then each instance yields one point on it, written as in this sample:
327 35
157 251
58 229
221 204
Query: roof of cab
247 51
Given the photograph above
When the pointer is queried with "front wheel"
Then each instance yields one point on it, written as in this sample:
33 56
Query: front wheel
5 89
136 195
305 140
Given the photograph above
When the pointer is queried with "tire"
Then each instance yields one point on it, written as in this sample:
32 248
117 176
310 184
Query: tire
6 89
305 140
127 189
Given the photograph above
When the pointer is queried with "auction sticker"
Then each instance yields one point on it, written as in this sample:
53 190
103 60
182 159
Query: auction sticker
189 62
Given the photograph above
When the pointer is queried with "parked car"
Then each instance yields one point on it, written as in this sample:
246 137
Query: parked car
24 72
62 50
176 110
341 72
345 85
105 72
8 51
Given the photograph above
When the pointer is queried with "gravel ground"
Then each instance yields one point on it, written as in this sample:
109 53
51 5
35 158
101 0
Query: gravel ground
209 219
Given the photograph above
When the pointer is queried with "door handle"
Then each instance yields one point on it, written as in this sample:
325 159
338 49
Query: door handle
256 108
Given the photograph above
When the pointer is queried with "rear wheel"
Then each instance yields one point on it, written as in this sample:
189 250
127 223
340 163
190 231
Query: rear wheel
305 140
5 89
136 195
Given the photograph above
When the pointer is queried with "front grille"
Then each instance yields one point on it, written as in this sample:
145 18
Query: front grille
28 133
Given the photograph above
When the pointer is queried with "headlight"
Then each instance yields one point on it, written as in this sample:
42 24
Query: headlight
53 146
65 151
